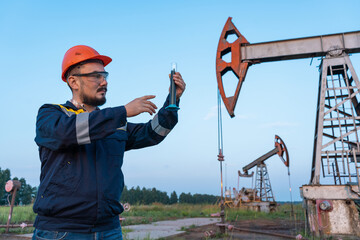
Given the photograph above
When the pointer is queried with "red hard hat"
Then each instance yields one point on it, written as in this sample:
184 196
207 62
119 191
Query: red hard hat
78 54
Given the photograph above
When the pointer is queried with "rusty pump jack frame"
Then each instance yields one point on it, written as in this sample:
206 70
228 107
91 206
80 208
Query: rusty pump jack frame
11 186
336 139
262 182
244 54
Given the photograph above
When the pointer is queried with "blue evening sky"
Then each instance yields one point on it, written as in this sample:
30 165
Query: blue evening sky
143 38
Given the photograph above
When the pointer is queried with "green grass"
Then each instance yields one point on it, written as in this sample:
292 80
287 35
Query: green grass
282 212
142 214
188 228
17 230
20 214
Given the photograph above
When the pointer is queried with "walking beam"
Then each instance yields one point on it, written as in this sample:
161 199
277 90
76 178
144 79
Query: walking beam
244 54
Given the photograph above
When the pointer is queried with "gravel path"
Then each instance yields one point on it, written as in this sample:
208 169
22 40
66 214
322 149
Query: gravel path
154 230
162 229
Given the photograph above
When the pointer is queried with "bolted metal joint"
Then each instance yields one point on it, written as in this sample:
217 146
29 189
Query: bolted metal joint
220 156
325 205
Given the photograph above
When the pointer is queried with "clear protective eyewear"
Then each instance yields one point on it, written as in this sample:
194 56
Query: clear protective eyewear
97 76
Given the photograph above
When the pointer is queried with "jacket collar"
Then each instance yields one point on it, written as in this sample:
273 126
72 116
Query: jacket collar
69 104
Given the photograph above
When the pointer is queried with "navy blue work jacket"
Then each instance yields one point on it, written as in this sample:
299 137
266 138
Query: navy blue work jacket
81 156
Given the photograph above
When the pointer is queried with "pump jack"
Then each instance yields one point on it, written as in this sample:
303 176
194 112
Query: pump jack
331 209
264 197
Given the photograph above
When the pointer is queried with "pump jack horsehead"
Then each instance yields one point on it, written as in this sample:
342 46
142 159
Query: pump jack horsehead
336 148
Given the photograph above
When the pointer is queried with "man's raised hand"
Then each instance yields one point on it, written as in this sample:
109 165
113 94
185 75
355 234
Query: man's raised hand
140 105
180 84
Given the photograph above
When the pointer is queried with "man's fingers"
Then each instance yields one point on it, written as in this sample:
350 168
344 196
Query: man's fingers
181 84
176 75
148 109
150 106
179 81
146 97
177 78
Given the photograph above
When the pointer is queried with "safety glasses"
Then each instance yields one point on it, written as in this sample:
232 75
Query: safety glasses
97 76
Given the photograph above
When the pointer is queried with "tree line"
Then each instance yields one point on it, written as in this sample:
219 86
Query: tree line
24 195
147 196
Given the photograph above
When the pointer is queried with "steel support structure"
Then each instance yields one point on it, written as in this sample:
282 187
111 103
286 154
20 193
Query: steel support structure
336 138
334 209
263 185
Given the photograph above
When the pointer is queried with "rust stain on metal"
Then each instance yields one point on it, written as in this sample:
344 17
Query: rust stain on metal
235 65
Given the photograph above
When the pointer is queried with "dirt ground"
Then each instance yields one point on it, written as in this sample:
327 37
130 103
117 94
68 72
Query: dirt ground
240 231
212 231
11 237
278 227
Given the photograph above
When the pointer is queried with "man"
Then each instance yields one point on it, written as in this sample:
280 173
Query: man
81 150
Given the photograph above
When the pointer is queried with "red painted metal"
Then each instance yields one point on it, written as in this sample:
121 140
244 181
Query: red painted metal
280 145
238 67
11 185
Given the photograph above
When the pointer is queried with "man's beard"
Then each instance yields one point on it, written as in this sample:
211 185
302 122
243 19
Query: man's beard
92 101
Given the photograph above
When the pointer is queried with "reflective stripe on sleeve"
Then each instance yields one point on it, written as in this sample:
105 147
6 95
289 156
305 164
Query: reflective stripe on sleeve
82 128
123 128
158 128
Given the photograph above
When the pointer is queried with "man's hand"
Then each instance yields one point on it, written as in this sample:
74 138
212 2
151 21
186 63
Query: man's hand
140 105
180 84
